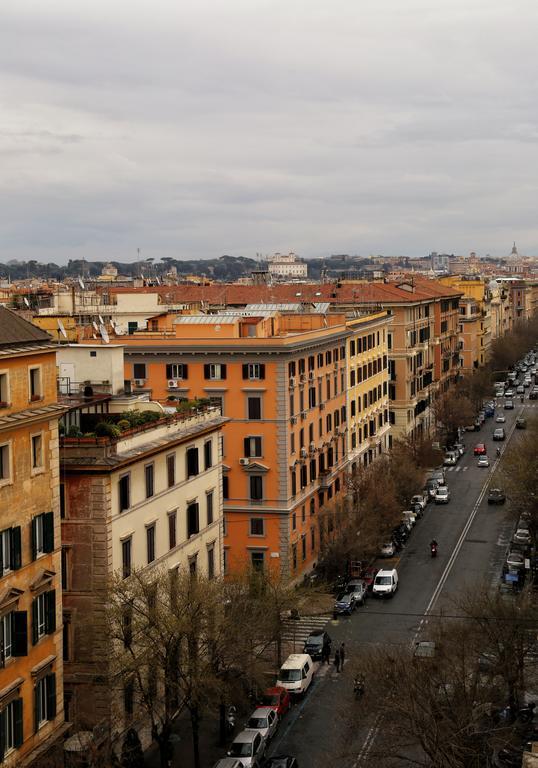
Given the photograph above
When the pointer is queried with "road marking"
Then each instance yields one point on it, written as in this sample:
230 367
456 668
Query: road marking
457 469
465 469
372 733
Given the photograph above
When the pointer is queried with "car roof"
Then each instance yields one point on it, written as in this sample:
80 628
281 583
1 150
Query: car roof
316 633
228 762
294 659
261 712
275 689
386 572
245 737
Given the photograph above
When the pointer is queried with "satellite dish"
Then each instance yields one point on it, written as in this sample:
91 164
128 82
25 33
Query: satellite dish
95 325
26 301
94 336
119 330
104 334
81 283
158 279
101 320
61 328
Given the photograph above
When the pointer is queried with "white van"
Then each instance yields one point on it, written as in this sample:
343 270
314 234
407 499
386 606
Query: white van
385 583
296 673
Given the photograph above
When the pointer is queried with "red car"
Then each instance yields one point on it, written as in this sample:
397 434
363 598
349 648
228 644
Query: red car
480 449
368 576
278 698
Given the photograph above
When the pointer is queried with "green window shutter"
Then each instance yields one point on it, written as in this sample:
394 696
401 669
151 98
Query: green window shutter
2 735
16 548
34 622
20 633
36 709
17 722
48 532
33 537
51 696
50 611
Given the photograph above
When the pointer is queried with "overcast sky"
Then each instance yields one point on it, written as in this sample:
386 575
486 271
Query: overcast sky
195 128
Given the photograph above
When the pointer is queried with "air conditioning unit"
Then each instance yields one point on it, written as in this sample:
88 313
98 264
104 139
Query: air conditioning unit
139 382
304 453
293 419
322 406
312 447
292 382
311 375
244 462
172 384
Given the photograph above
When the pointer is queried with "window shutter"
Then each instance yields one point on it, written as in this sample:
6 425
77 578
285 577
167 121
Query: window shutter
262 370
48 532
185 370
245 370
2 731
168 371
246 447
51 696
34 622
197 516
15 546
206 370
34 538
50 611
36 709
20 633
223 371
258 446
17 723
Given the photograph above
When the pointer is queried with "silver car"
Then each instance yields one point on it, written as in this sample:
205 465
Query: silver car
249 747
442 495
264 720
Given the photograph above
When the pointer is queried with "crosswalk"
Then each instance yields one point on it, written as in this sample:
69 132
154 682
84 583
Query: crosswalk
457 469
296 631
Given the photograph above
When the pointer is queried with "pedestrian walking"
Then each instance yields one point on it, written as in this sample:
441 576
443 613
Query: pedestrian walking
337 660
326 655
342 655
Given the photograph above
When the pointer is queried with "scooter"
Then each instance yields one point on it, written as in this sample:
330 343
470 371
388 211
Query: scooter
498 453
230 719
433 550
358 688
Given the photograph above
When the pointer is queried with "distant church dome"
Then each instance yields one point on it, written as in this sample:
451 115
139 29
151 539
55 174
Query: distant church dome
514 250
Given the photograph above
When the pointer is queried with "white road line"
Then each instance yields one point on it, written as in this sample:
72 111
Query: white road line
457 469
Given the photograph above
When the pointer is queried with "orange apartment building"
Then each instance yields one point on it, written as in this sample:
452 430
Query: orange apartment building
31 666
281 381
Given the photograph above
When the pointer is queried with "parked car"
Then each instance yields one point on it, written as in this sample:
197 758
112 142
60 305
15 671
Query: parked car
249 747
439 475
533 394
498 434
316 642
451 458
515 560
281 761
442 495
509 392
229 762
521 423
386 583
460 448
409 518
387 549
501 418
344 604
430 487
276 697
420 499
508 405
520 390
496 496
357 589
264 720
479 449
522 536
296 673
483 461
368 576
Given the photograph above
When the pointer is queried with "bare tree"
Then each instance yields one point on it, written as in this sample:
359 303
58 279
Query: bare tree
518 474
453 409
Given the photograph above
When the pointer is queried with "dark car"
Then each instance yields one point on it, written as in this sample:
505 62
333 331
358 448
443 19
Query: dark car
521 423
496 496
281 761
345 604
316 642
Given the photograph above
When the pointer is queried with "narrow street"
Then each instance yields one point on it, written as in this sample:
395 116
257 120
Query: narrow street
473 538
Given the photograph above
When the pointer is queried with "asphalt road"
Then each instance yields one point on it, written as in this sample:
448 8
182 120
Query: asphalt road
473 537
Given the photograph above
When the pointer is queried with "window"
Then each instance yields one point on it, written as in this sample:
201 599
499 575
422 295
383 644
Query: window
139 371
193 565
294 556
126 546
11 732
293 521
254 408
257 560
291 368
45 700
313 539
193 519
172 529
37 452
208 459
43 615
5 463
254 371
209 507
253 447
211 562
149 478
124 488
150 543
303 546
65 568
10 550
128 697
177 371
4 390
215 371
42 534
225 487
192 462
35 383
171 469
6 638
256 487
257 526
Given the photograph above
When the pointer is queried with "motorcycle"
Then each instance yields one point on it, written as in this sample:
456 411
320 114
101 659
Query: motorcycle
433 549
498 453
358 688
